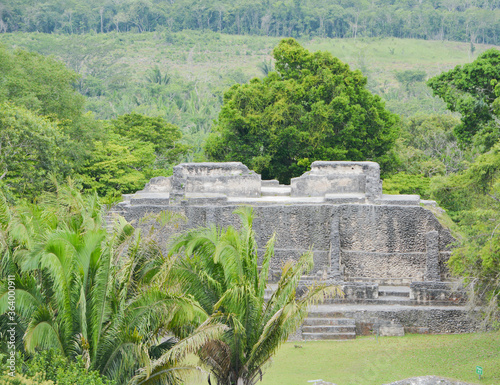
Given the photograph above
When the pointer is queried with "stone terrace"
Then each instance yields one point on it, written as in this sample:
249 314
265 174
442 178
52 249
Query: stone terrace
388 252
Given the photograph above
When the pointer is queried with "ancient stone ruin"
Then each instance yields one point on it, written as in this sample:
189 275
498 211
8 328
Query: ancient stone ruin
387 251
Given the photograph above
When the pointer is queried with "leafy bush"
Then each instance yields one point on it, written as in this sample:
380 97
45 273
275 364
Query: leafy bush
48 367
403 183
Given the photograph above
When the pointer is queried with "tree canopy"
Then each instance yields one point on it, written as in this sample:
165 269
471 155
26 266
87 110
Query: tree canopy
163 136
31 148
473 90
39 83
313 107
474 21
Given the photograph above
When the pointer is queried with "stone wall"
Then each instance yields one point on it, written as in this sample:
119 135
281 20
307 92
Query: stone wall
374 242
445 319
339 178
435 292
356 233
232 178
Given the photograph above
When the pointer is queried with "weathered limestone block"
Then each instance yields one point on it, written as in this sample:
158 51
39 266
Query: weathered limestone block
231 179
339 178
151 199
358 290
432 249
392 330
338 199
399 200
445 292
159 184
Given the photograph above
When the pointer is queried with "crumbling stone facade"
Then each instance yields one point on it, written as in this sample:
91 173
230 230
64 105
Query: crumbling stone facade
337 209
387 252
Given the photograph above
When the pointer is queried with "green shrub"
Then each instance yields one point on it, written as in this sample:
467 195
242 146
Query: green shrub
402 183
48 367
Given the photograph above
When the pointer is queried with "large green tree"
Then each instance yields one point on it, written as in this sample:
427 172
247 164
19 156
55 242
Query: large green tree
472 198
117 165
40 86
473 90
31 148
163 136
39 83
135 148
312 108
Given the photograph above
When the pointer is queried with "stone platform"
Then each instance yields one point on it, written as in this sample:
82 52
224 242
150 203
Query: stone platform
389 311
337 209
388 252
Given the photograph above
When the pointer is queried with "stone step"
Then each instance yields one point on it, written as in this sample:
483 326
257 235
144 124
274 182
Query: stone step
309 321
275 191
393 294
270 183
394 291
331 329
396 299
400 281
324 314
389 300
329 336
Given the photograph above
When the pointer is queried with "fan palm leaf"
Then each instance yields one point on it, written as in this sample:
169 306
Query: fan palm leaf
85 292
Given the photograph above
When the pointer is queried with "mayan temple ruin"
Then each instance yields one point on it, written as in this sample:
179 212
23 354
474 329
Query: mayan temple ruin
388 252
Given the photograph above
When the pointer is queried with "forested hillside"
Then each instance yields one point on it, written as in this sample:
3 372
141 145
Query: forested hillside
182 76
475 21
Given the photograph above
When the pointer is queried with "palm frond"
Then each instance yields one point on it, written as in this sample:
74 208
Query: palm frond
264 270
42 332
166 364
5 213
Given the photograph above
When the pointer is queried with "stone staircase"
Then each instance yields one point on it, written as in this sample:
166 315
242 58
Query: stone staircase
110 218
324 326
388 310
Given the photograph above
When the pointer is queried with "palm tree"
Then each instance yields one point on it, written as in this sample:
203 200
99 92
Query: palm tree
266 67
155 76
220 269
86 292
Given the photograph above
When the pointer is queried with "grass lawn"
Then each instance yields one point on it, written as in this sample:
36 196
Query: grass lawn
366 361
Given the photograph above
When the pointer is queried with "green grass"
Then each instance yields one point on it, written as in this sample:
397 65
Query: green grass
364 361
215 61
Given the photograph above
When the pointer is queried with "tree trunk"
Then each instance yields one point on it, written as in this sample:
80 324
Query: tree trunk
101 11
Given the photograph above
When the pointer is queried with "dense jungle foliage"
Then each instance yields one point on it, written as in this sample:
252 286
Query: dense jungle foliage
475 21
112 108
